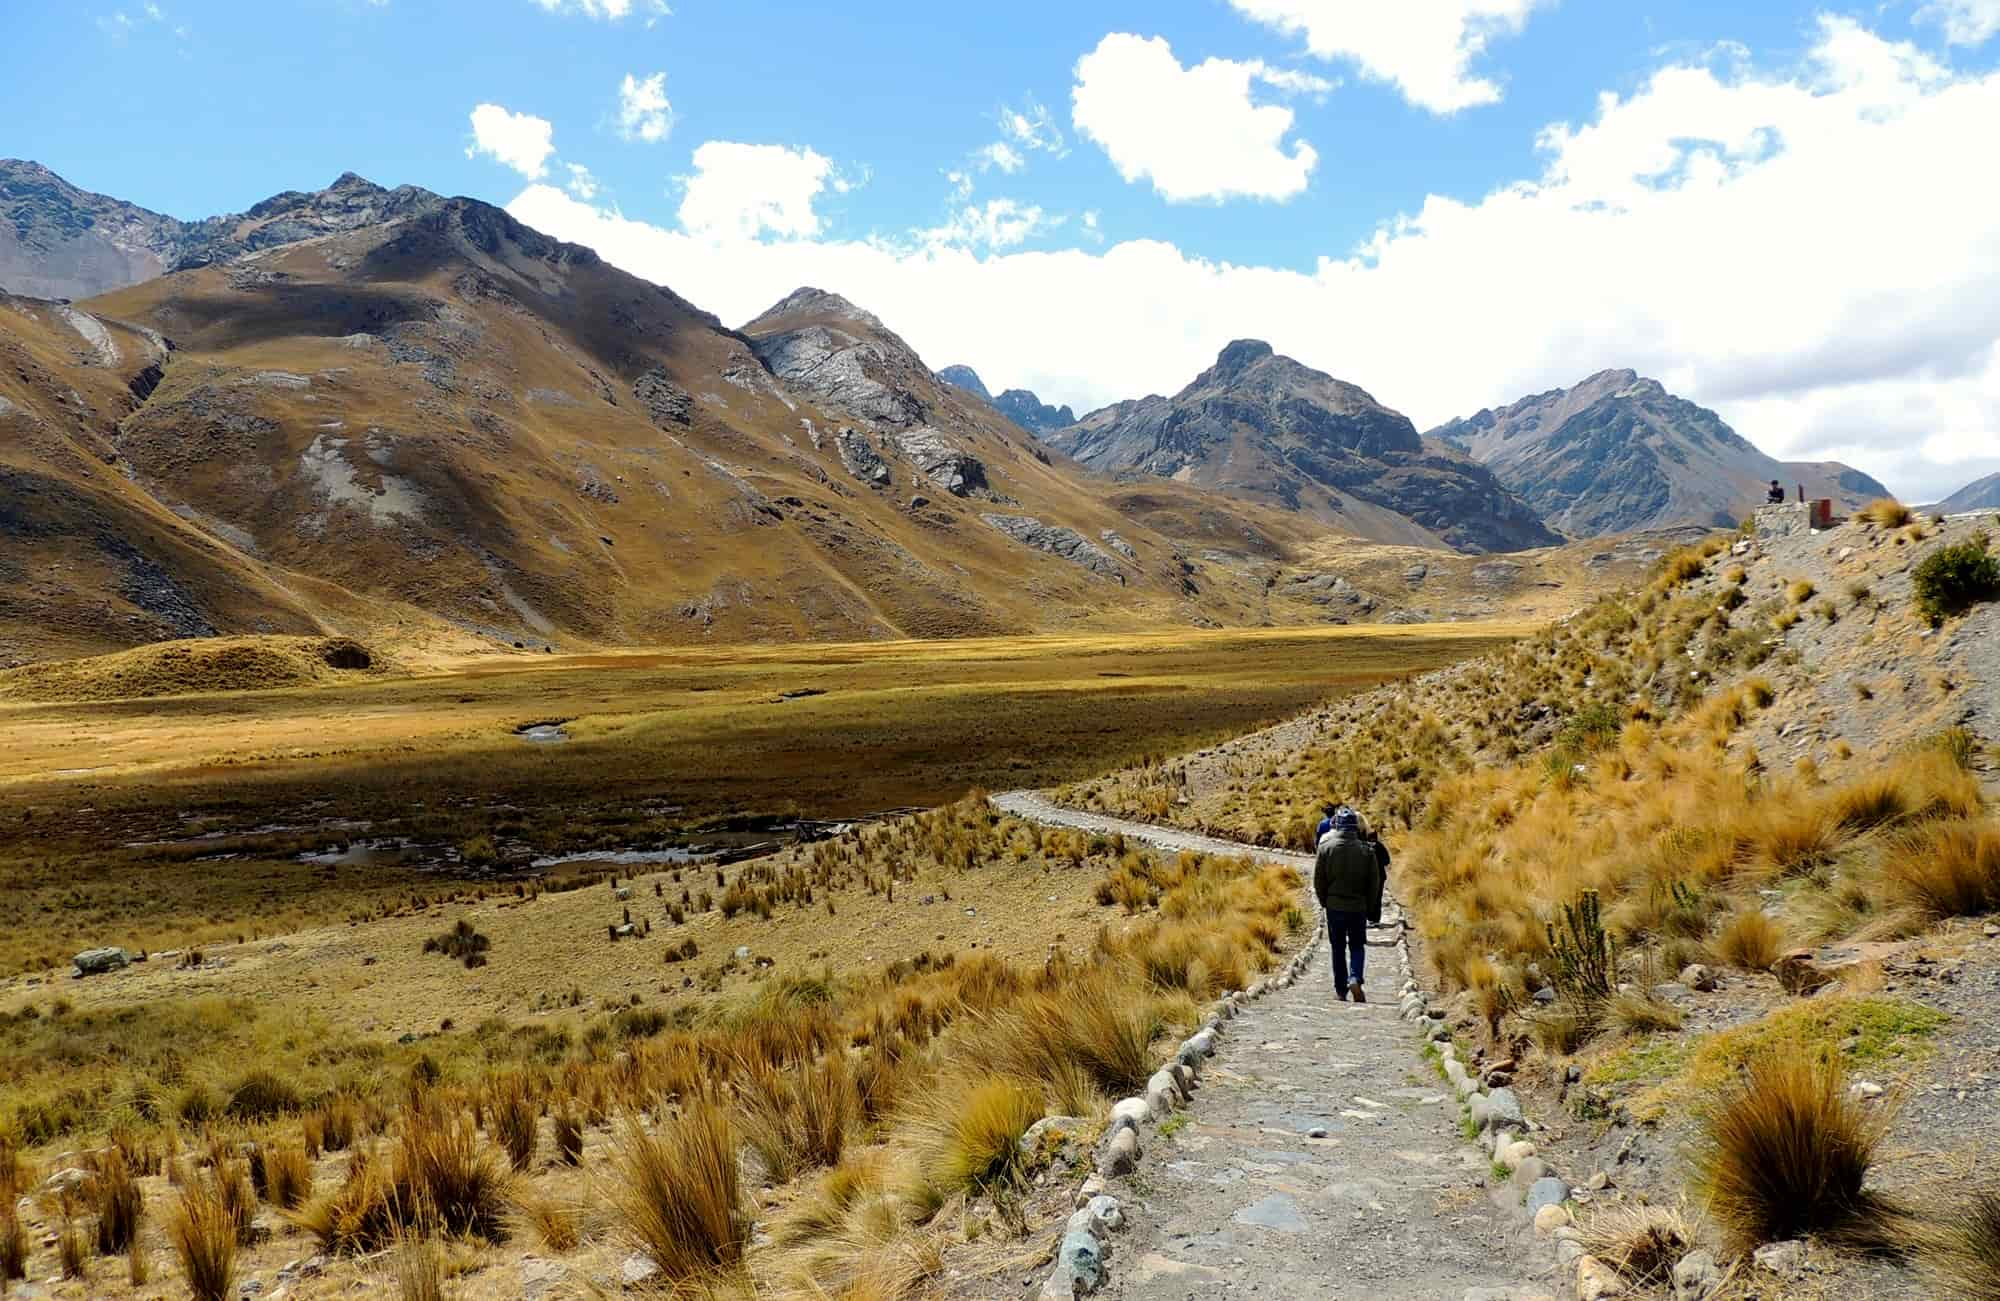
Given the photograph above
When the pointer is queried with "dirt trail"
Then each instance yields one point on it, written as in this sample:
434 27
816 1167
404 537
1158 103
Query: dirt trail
1321 1156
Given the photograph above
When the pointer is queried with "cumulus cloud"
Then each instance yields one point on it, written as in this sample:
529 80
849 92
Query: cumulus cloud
1424 48
518 140
741 191
1965 22
1808 253
581 183
643 110
1195 133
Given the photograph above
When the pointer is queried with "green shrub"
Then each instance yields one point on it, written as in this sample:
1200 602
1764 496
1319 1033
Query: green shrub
1952 578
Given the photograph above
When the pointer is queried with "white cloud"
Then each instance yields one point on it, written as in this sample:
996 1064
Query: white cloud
740 191
995 224
1808 253
581 183
1425 48
1001 155
1033 127
1193 132
610 10
1965 22
643 110
518 140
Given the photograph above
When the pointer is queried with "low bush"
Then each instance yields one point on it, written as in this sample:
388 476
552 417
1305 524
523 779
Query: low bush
461 942
1750 940
1885 512
1944 868
262 1095
1953 578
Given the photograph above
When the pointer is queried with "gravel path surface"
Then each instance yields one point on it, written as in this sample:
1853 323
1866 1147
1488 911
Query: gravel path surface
1321 1155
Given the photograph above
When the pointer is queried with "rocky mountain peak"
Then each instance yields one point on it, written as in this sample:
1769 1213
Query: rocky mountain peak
1236 358
808 301
966 378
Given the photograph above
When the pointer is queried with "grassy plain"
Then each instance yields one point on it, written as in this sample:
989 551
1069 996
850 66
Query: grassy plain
177 820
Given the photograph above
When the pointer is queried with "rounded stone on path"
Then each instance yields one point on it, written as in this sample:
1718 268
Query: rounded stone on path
1696 1277
1106 1211
1094 1186
1596 1280
1129 1113
1549 1190
1121 1154
1161 1094
1785 1259
1550 1218
1510 1152
1079 1267
1503 1107
1528 1172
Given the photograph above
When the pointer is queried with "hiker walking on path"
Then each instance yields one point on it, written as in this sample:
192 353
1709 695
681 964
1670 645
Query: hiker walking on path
1348 878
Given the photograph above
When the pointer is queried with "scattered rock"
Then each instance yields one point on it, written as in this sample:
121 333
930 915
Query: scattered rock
1785 1259
1550 1218
539 1277
1595 1279
665 401
1547 1191
1698 976
1800 974
1121 1154
637 1270
1696 1276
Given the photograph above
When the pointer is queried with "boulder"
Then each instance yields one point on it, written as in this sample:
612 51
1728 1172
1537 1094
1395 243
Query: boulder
1162 1095
1596 1280
1545 1192
96 962
956 471
1121 1154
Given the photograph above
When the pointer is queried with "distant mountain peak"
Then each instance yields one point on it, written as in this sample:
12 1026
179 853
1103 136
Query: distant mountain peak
1238 357
967 378
1617 452
808 301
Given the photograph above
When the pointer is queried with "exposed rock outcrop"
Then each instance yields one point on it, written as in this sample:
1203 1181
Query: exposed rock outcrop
956 471
1057 540
665 401
862 460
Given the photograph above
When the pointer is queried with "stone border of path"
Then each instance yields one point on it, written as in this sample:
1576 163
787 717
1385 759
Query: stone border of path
1499 1126
1080 1261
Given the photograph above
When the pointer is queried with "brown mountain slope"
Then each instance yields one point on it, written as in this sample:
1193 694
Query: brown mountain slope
88 559
452 411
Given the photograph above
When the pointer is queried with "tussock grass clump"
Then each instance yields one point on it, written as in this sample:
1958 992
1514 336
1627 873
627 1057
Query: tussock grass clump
1095 1024
288 1175
679 1196
967 1135
1641 1242
117 1201
1947 868
438 1172
568 1131
202 1229
1750 940
800 1118
558 1226
1785 1151
1885 512
1963 1255
516 1115
262 1095
419 1269
14 1244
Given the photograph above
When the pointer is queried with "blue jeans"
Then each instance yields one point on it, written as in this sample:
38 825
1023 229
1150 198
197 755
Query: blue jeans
1347 936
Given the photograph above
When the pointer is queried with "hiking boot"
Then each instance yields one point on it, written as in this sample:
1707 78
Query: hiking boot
1340 994
1360 995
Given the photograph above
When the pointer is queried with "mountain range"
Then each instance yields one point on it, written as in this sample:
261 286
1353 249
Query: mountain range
1263 426
1017 404
1980 494
370 411
1618 452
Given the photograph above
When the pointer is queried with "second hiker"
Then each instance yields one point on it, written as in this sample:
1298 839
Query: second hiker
1348 878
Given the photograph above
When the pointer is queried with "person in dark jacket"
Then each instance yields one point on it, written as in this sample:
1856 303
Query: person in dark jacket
1348 881
1374 841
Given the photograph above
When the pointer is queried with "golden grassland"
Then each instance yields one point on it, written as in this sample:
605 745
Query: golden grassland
1586 814
176 821
882 1105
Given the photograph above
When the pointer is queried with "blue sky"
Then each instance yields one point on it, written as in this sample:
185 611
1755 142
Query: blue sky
1064 196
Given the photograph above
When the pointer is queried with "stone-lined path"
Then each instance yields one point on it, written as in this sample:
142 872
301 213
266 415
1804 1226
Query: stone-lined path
1321 1156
